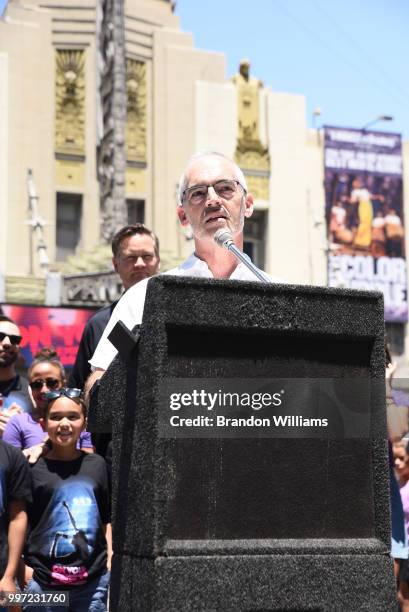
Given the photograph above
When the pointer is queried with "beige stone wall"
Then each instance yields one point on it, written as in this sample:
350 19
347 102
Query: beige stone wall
177 65
316 223
215 117
29 36
183 84
25 41
4 121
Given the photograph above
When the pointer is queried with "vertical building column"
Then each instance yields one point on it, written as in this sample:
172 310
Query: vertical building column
111 150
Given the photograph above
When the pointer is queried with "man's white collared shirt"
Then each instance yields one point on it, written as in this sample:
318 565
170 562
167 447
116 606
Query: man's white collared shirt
130 307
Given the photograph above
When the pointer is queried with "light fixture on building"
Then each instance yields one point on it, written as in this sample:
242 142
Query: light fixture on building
379 118
317 112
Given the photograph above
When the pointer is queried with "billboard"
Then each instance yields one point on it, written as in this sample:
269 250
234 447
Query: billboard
364 214
46 326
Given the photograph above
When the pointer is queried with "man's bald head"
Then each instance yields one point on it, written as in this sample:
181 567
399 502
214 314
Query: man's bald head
184 179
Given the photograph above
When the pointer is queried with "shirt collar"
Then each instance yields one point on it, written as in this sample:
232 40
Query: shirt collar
193 266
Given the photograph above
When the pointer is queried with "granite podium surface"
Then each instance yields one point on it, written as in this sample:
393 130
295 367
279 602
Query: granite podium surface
248 523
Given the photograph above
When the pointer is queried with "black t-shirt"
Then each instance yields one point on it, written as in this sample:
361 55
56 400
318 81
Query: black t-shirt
66 544
14 485
91 335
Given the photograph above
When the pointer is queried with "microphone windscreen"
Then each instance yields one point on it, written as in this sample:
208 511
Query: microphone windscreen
223 237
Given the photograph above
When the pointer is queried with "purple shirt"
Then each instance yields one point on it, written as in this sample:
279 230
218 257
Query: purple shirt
23 432
404 493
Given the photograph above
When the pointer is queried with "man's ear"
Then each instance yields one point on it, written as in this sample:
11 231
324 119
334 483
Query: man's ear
249 205
115 264
182 215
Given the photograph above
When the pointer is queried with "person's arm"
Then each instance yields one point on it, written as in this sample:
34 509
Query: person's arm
16 537
104 505
108 536
33 453
12 433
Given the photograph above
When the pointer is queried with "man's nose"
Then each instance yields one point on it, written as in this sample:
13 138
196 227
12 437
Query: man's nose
5 341
212 196
139 263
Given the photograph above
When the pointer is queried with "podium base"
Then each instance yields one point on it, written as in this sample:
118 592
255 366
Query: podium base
346 582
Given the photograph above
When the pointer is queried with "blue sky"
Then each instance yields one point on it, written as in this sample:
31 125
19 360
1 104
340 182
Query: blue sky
349 57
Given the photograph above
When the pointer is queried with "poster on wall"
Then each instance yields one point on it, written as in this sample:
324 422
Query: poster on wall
40 326
364 214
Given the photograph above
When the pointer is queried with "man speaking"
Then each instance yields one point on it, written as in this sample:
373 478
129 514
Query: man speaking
212 196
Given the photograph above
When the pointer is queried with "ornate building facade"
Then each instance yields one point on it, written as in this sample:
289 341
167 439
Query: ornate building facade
96 166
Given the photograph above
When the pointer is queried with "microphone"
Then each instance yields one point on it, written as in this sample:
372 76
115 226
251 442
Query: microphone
224 238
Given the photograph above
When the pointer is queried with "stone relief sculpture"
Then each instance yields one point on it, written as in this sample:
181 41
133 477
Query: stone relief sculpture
248 102
135 136
250 153
70 102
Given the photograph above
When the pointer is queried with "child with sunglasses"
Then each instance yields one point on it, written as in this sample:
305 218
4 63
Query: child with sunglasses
66 546
25 431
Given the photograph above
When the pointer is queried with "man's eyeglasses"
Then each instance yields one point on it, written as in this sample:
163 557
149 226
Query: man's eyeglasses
13 339
225 189
70 392
51 383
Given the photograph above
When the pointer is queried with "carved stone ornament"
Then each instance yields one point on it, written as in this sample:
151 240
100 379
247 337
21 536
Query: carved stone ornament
91 289
251 155
70 102
135 110
111 162
248 102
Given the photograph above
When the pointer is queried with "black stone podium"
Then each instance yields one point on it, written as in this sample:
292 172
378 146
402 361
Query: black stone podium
253 523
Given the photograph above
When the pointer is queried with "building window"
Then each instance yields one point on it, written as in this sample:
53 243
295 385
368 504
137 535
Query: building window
136 211
254 238
69 210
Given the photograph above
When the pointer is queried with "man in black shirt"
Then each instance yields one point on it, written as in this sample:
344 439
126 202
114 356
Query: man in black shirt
13 387
135 250
15 491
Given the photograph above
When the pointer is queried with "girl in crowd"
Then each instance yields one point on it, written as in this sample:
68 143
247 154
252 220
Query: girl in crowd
24 431
66 546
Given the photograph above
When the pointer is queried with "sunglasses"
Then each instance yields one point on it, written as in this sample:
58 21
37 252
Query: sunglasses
13 339
64 391
51 383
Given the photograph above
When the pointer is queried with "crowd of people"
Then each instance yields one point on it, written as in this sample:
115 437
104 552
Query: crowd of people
55 532
397 403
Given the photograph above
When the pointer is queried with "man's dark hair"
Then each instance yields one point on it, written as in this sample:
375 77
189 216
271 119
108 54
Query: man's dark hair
131 230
